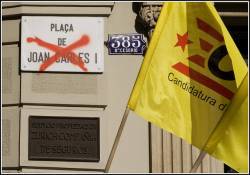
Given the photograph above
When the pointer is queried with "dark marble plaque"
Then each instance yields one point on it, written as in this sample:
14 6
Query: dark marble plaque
64 138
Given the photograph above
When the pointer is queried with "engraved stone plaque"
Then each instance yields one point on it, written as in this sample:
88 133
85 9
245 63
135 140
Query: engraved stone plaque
64 139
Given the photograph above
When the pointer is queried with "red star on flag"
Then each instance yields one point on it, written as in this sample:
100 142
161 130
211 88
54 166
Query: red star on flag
183 41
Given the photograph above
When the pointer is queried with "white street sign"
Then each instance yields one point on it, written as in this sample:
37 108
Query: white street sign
62 44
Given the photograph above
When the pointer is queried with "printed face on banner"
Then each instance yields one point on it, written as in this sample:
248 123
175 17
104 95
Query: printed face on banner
62 44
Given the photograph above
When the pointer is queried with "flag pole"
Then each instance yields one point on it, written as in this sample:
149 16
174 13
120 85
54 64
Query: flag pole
198 162
117 138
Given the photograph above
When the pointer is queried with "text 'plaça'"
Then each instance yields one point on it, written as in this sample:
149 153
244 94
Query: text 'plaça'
61 28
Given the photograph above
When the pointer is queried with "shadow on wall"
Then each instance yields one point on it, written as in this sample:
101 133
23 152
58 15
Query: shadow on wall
228 169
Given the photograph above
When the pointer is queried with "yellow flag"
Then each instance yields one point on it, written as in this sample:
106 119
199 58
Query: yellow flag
229 141
190 74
